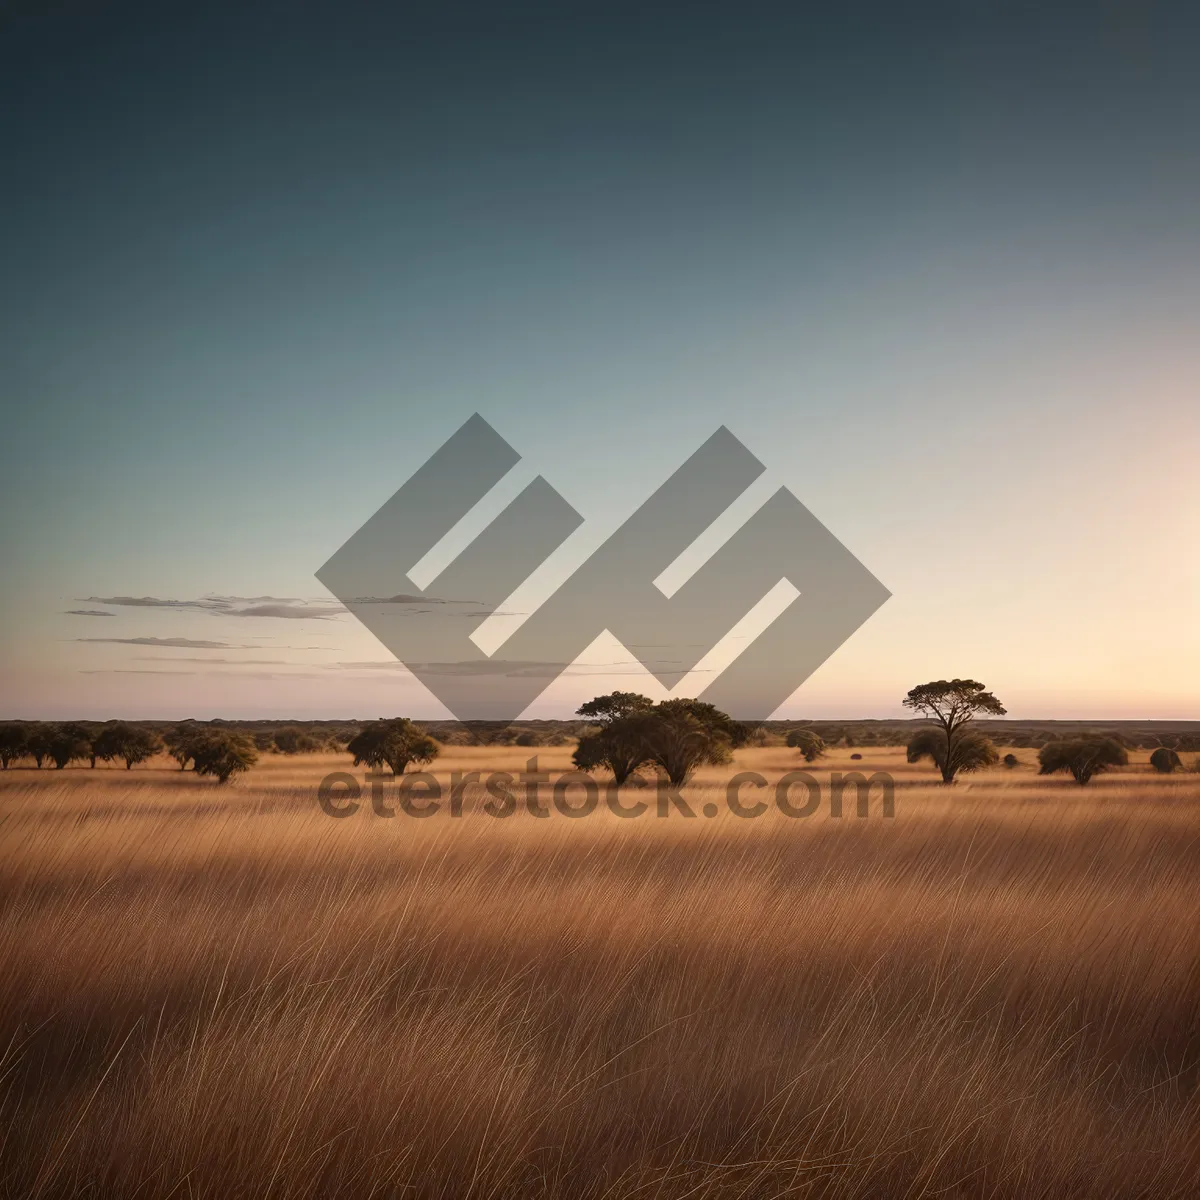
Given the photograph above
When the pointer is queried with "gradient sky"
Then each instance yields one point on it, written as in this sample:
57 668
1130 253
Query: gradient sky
938 270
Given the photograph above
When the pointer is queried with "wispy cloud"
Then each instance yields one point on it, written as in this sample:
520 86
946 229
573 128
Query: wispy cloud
88 612
134 671
233 662
290 611
177 642
287 607
237 674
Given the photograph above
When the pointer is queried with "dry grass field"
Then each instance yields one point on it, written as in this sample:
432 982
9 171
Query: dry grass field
222 992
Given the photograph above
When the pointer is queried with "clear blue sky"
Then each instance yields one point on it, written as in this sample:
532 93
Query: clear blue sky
940 271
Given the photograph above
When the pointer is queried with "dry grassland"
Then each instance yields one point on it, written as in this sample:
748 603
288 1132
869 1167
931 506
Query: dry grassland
222 992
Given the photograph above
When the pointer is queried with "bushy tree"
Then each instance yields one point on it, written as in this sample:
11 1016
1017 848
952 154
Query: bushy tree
291 740
1083 757
1165 760
676 735
395 744
14 741
971 751
680 735
181 742
620 747
222 753
68 743
811 745
133 743
953 704
38 740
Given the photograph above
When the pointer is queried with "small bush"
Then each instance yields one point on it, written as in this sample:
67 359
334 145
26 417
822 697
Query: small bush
1164 760
1083 757
811 745
1011 760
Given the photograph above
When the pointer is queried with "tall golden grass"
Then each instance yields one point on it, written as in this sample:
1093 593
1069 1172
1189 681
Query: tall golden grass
221 992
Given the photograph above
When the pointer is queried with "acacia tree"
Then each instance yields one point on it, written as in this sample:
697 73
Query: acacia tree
953 704
810 744
13 743
133 743
604 710
37 743
66 743
395 743
1083 757
619 744
222 753
680 735
181 743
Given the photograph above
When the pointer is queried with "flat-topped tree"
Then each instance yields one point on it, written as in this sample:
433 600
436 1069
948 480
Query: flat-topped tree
953 704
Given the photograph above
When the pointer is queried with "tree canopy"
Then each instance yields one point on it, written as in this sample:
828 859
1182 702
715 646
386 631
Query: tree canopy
676 736
395 743
222 753
14 741
133 743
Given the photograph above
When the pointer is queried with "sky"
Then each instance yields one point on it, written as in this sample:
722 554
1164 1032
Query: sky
938 270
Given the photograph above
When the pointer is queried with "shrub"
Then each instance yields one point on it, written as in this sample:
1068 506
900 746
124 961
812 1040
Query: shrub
291 740
1165 760
811 745
1011 760
971 752
1083 757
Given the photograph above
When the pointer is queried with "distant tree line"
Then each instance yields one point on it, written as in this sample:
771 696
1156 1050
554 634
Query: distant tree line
621 732
221 753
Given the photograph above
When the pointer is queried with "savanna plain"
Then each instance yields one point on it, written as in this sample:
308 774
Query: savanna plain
224 992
